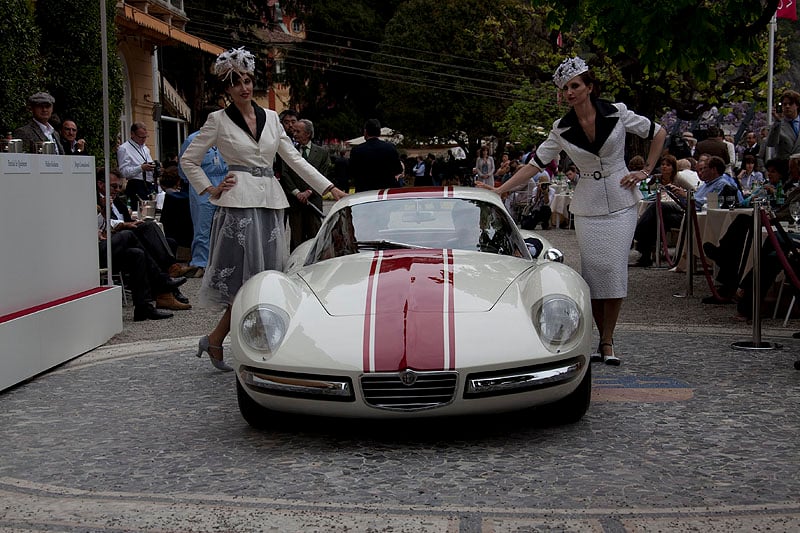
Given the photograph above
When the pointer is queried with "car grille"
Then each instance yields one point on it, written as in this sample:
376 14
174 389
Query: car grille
429 390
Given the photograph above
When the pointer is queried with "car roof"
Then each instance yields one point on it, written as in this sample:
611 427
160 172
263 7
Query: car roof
465 193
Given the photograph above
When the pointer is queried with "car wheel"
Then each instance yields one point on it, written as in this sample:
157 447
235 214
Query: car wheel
571 408
253 413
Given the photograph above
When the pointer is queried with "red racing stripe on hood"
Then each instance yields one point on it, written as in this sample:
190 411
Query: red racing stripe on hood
409 320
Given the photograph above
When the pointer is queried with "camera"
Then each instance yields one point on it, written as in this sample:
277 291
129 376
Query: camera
156 170
544 186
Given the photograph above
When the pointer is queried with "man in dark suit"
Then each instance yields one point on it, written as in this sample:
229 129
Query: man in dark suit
304 220
713 145
70 143
375 164
39 128
784 135
147 236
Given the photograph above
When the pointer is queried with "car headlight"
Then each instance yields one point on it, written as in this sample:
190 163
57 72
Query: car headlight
264 327
558 320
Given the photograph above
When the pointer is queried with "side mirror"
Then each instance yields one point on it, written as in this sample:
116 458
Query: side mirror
554 254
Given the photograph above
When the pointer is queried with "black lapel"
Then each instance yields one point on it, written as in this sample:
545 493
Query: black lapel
604 124
236 116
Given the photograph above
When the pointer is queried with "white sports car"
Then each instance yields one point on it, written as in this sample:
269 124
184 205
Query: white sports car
415 303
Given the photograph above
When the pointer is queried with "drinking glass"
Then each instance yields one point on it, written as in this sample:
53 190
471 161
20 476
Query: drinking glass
794 210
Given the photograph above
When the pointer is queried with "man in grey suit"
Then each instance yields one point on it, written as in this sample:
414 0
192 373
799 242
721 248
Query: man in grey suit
304 220
39 128
783 136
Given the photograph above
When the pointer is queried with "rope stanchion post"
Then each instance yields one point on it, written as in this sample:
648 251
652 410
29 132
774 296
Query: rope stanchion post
756 343
690 242
689 248
659 224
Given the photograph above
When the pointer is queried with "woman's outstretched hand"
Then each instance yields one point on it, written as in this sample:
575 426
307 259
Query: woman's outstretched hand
337 193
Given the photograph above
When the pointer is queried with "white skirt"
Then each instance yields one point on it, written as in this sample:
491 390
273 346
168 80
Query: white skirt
243 242
605 242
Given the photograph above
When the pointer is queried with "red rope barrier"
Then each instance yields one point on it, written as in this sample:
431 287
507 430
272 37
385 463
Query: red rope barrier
791 275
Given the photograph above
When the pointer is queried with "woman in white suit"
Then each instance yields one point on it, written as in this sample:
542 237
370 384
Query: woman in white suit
248 234
592 134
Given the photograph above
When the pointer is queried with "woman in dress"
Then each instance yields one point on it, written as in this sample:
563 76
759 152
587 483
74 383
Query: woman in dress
484 168
749 178
248 233
592 134
672 214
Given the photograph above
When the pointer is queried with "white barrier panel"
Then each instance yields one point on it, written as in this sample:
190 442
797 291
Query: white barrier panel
50 310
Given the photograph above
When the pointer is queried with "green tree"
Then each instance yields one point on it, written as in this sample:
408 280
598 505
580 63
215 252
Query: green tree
531 114
682 54
20 63
73 58
329 72
448 68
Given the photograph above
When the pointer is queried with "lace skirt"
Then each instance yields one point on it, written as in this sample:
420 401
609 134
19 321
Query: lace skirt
243 242
604 243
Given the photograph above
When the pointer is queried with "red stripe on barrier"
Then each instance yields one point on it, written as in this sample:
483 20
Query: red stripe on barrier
52 303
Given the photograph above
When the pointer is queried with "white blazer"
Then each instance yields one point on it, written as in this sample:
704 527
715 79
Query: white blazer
602 162
237 147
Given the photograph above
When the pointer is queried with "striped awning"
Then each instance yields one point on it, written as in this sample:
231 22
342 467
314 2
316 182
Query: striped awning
159 28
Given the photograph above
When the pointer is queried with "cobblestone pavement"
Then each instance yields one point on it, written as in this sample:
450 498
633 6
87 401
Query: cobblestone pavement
145 437
687 434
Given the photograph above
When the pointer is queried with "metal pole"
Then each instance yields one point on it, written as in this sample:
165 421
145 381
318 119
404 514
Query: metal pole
106 134
755 249
688 238
659 211
690 242
773 24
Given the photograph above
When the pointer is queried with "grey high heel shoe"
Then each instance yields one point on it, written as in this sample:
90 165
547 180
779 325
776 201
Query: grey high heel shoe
204 346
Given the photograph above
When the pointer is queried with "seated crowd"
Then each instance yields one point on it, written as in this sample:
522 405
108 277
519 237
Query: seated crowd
141 251
775 184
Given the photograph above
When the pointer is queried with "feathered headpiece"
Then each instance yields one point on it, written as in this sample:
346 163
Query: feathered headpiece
568 69
236 60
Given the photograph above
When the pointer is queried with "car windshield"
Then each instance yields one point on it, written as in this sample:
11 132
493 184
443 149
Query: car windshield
408 223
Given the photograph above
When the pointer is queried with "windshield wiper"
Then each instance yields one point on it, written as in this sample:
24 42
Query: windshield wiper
387 245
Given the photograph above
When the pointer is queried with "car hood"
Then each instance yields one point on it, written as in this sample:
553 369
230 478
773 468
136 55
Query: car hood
412 281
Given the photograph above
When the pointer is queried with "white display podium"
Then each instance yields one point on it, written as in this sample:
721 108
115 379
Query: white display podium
52 308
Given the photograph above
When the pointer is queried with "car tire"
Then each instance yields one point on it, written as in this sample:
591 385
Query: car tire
571 408
253 413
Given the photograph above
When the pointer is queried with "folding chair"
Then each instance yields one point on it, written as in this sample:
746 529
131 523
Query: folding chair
787 253
118 277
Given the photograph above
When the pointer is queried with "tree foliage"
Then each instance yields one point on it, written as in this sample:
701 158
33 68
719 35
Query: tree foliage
330 71
450 74
435 69
682 54
20 63
529 117
73 65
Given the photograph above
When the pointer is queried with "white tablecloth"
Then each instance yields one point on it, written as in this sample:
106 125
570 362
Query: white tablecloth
713 224
560 209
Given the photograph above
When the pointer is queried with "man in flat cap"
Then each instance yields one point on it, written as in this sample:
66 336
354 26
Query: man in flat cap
39 128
